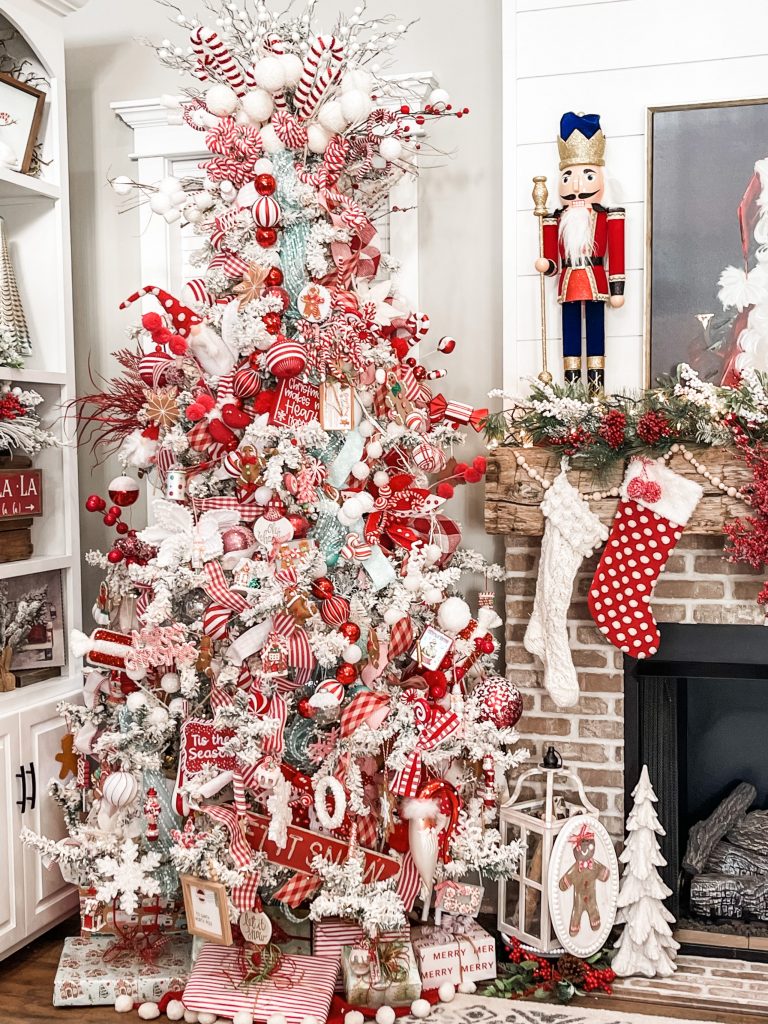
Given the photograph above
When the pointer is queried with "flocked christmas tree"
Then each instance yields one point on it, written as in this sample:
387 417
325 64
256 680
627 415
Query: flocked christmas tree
288 645
646 945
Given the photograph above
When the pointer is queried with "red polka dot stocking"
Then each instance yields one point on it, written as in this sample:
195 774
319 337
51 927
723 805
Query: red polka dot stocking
655 505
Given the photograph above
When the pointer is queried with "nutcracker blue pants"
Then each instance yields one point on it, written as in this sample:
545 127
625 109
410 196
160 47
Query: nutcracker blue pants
594 315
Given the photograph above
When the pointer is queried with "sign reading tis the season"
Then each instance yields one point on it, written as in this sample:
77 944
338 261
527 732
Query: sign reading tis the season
297 403
21 493
200 747
303 846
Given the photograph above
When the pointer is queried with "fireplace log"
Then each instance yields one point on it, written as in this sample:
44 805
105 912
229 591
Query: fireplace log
729 859
705 835
723 896
512 499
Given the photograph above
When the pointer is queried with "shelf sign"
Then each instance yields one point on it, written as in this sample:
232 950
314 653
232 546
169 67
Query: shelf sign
21 493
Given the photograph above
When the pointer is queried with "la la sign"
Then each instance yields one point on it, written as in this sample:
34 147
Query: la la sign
21 493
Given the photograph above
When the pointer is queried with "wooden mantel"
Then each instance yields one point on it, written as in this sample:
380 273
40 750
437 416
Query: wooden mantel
512 499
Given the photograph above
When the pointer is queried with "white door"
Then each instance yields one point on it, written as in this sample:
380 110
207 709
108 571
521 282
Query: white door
47 896
12 927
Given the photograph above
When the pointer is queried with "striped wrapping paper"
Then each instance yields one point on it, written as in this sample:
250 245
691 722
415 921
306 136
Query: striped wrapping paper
330 935
302 985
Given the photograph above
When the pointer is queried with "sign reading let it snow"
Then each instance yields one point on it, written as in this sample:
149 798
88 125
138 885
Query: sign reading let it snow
21 493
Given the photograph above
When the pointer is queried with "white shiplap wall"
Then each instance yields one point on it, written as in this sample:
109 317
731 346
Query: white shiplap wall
616 58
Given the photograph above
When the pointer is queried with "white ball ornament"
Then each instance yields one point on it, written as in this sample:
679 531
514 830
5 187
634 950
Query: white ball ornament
317 138
204 201
262 495
243 1017
269 140
375 449
366 428
467 987
439 98
160 203
432 553
421 1009
356 79
221 100
136 700
247 195
433 595
292 66
381 478
453 615
206 1018
177 707
353 1017
331 117
123 1004
258 105
390 148
269 73
169 185
356 105
179 198
412 583
170 682
366 500
149 1011
158 716
446 993
191 1016
393 615
360 471
385 1015
352 654
122 185
263 166
352 509
175 1010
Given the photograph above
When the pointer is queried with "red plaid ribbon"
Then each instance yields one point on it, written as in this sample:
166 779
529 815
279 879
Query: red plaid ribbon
239 848
234 266
406 781
297 889
360 709
400 637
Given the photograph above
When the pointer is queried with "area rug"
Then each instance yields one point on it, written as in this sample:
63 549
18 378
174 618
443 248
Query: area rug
479 1010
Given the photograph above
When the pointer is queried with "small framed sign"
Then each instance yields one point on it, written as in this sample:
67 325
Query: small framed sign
337 405
207 913
431 647
21 111
21 493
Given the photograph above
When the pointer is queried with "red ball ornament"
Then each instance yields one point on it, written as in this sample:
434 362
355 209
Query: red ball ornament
300 526
266 237
272 322
94 503
346 674
335 610
350 631
322 587
286 358
122 528
438 691
114 510
109 519
123 490
114 556
305 709
499 701
265 184
274 277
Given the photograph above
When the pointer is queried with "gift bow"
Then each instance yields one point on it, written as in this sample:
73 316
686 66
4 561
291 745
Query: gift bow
300 654
224 602
356 549
406 781
456 412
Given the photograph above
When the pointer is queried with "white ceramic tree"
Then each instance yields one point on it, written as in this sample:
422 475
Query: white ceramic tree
646 945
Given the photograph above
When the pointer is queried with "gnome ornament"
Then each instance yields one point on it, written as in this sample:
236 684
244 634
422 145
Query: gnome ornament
583 244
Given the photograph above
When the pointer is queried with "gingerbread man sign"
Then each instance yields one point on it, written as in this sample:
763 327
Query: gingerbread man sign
583 877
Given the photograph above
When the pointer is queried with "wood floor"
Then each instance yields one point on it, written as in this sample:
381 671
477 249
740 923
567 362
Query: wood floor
26 984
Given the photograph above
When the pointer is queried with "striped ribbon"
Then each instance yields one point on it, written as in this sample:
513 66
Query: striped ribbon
300 655
406 781
222 226
238 845
212 54
234 266
408 882
278 709
225 603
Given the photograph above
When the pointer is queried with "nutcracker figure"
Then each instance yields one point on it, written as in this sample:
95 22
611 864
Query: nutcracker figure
583 243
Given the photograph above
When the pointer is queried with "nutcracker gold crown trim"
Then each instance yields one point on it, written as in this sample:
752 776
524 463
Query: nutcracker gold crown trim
581 140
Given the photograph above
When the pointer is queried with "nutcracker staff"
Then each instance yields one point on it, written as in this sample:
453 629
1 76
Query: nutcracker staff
583 242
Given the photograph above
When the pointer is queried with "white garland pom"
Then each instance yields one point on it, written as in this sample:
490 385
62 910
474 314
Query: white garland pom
221 100
293 67
269 73
331 117
243 1017
175 1010
149 1011
447 992
421 1009
317 138
385 1015
123 1004
258 105
356 105
330 784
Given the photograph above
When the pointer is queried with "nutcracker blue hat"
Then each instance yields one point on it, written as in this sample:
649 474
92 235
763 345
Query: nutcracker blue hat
581 140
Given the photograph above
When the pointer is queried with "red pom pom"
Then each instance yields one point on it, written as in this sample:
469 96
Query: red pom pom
195 411
480 463
162 336
461 468
264 401
445 490
472 476
400 347
151 322
177 345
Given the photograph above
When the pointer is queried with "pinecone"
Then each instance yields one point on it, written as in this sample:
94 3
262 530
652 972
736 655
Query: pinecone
570 968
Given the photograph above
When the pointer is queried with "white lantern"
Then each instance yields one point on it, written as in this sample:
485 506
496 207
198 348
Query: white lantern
523 908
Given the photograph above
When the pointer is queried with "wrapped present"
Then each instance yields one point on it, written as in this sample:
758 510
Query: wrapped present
294 937
89 974
301 986
153 914
380 972
459 950
330 935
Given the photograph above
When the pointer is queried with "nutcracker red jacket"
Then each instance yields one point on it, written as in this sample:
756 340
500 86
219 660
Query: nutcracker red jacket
603 273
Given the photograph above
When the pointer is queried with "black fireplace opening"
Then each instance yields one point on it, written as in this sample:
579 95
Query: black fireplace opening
697 714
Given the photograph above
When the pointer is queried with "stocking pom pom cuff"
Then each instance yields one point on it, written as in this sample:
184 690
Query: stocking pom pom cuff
659 489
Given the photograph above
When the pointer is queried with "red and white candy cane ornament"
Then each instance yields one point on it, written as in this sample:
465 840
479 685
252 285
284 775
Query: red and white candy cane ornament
211 52
325 50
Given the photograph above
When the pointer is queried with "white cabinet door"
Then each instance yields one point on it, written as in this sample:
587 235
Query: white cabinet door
12 925
47 896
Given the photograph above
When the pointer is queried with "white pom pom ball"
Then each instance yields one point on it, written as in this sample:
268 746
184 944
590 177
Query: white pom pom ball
356 105
446 993
381 375
310 1019
393 615
375 449
269 73
352 654
269 140
467 987
381 478
331 117
356 79
190 1016
170 682
433 595
385 1015
206 1018
412 583
439 97
243 1017
258 105
263 166
175 1010
317 138
177 707
179 198
160 203
262 495
136 674
432 553
360 471
221 100
292 66
421 1009
149 1011
136 700
122 185
171 216
123 1004
353 1017
366 428
204 201
352 508
366 500
247 195
453 615
390 148
193 215
158 715
169 185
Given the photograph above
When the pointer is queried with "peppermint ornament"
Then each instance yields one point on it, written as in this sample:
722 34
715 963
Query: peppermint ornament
655 505
499 701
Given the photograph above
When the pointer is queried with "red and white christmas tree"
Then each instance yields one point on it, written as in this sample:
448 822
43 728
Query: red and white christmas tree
646 945
290 644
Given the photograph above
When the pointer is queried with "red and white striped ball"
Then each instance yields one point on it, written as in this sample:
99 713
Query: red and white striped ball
153 366
266 212
335 610
446 345
499 701
429 457
417 420
329 693
246 383
286 358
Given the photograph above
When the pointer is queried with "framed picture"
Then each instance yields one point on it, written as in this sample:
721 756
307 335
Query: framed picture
207 911
705 199
44 646
583 885
21 111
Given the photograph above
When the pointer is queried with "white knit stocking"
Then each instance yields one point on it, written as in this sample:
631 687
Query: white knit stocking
571 533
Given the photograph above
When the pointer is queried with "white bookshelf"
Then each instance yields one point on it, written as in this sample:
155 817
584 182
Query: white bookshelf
36 214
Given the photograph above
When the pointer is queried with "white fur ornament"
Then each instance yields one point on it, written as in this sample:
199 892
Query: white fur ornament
149 1011
269 140
221 100
356 105
356 79
292 66
385 1015
447 992
331 117
258 105
421 1009
191 1016
123 1004
269 73
175 1010
467 987
243 1017
317 138
353 1017
453 615
206 1018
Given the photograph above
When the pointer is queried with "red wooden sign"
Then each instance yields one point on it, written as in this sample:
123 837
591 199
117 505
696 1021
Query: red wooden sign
200 747
21 493
303 846
297 403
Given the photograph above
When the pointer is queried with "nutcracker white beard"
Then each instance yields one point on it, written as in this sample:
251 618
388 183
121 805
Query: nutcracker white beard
576 233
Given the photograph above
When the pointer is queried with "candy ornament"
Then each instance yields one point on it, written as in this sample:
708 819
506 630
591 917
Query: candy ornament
499 701
123 490
118 791
266 212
